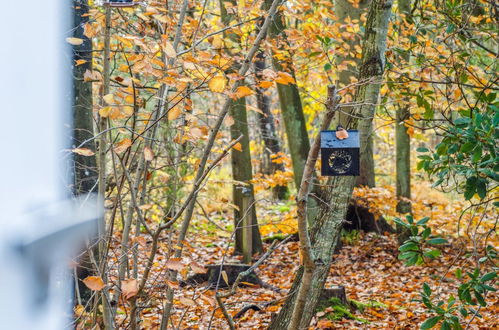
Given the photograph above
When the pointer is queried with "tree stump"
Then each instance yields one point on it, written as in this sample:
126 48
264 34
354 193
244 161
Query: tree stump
336 291
215 278
359 218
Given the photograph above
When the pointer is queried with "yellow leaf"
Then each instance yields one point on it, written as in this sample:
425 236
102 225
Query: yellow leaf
83 151
148 154
74 41
217 84
174 113
129 288
122 145
238 147
225 277
109 98
242 91
127 111
129 99
169 50
94 283
104 112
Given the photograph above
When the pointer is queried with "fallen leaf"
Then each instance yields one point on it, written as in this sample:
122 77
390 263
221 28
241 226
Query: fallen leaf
174 264
173 285
83 151
129 288
94 283
197 268
186 301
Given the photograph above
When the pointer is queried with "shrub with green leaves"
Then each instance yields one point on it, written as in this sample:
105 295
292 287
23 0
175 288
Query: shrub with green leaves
421 242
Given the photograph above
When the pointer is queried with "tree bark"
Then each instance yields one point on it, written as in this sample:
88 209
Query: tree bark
328 223
403 141
248 240
85 167
268 129
289 98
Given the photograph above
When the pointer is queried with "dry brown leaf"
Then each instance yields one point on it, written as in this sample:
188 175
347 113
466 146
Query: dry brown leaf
148 154
173 285
129 288
122 145
174 264
83 151
187 301
94 283
197 268
169 50
196 132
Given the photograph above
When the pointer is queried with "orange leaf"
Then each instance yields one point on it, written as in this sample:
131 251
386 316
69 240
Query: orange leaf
265 84
83 151
242 91
174 113
122 145
285 78
129 288
225 277
238 147
94 283
173 285
169 50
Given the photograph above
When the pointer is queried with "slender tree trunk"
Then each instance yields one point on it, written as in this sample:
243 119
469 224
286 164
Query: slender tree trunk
247 242
328 223
289 98
268 129
85 167
403 141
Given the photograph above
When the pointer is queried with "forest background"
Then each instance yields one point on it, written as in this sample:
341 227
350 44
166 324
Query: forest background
197 122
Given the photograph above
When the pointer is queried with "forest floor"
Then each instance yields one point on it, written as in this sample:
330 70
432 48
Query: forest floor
384 289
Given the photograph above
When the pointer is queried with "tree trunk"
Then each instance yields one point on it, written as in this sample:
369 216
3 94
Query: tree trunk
328 223
268 129
289 98
248 240
85 167
403 141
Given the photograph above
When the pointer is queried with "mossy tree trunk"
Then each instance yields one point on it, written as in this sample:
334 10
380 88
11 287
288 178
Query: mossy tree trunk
403 140
289 98
327 224
248 240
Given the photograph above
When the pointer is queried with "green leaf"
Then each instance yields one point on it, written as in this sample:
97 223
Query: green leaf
426 289
422 149
409 246
481 188
488 277
480 299
423 221
467 147
445 326
431 322
437 240
432 254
